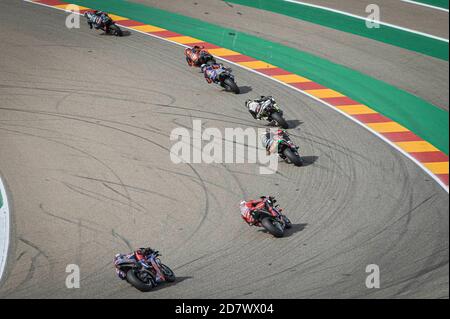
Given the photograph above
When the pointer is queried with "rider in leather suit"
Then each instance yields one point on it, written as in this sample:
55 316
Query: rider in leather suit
249 209
98 19
140 254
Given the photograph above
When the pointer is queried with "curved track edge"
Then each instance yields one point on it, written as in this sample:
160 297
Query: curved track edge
4 228
430 159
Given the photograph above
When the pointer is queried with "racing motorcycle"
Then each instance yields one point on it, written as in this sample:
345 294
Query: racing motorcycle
227 81
271 218
271 112
144 275
288 151
199 58
113 29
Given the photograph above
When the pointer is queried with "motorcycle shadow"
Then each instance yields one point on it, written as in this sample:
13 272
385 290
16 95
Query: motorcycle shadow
309 160
165 285
290 232
125 33
242 90
245 89
293 124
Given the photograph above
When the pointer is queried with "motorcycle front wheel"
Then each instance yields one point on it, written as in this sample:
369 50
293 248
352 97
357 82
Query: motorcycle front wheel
280 120
115 30
287 222
230 85
138 283
293 158
273 227
168 273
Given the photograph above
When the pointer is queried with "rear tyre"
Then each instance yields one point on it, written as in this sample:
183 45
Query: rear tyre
293 158
168 273
280 120
273 227
135 281
230 85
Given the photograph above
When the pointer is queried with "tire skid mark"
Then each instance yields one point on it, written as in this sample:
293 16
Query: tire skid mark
133 188
99 196
123 239
206 209
71 147
32 269
77 223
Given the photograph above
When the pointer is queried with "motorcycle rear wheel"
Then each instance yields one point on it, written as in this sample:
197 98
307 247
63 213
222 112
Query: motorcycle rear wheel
269 225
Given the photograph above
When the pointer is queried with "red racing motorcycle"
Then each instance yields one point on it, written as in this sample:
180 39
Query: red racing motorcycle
197 56
271 218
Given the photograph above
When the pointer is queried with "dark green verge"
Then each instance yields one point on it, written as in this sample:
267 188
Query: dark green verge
437 3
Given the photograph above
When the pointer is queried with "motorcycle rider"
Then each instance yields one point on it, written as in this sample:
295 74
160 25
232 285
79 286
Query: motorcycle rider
249 209
138 255
193 54
255 106
99 20
270 140
212 72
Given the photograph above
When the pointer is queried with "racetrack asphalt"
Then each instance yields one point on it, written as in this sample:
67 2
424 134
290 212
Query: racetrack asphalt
85 121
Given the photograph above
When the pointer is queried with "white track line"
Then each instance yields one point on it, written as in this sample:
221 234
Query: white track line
425 5
4 229
369 20
302 92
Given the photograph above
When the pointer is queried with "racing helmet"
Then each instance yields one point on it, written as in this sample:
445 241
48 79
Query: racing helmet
203 67
270 200
146 251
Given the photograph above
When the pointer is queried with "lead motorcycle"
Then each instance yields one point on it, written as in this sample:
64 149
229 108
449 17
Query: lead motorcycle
271 218
113 28
144 274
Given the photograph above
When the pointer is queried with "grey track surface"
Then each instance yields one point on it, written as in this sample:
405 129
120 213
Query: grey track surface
397 12
416 73
89 175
